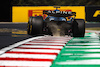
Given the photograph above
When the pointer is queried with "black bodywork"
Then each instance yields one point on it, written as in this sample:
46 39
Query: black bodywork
56 24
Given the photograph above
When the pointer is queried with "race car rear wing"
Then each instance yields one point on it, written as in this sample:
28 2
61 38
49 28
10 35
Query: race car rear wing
59 13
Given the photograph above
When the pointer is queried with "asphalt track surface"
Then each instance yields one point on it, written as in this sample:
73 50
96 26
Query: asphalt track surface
11 33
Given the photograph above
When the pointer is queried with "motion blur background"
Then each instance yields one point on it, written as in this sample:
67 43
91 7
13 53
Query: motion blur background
6 5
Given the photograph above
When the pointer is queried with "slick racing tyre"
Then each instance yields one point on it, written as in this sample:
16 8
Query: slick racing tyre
78 28
36 25
28 25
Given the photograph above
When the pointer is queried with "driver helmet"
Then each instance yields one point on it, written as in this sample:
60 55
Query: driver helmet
56 10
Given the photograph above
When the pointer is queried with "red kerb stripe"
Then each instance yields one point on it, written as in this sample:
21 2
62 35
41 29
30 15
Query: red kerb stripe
17 52
22 66
25 59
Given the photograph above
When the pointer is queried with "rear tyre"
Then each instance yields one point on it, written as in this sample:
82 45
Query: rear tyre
36 26
28 25
78 28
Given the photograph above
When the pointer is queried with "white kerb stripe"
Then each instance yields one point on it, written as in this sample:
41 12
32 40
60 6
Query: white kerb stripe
67 54
94 44
56 40
39 56
87 55
32 46
87 50
45 43
50 41
36 50
82 62
53 38
56 37
75 54
24 63
82 46
89 39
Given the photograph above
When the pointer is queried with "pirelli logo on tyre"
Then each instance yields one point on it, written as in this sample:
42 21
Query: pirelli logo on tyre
22 14
93 13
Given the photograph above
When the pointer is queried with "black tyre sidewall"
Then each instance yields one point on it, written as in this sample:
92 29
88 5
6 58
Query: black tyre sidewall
36 25
28 25
78 28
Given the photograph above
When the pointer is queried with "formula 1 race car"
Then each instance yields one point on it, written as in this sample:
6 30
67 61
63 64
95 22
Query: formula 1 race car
58 23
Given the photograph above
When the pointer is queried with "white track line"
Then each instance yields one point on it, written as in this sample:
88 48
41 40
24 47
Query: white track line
82 62
39 56
17 44
36 50
31 46
25 63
